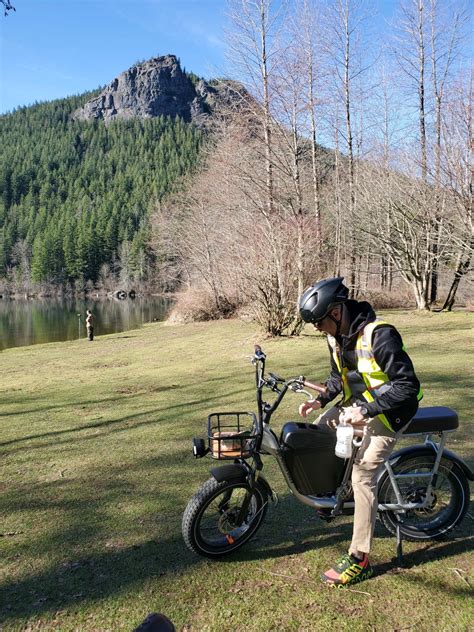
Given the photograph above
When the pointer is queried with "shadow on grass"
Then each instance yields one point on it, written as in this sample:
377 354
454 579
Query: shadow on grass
431 552
92 577
438 382
312 534
111 426
439 585
91 557
290 529
13 399
42 409
100 575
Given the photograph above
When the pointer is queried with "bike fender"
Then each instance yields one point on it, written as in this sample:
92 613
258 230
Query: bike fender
426 448
231 472
238 472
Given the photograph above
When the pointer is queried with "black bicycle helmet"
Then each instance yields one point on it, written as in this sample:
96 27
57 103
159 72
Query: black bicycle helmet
316 301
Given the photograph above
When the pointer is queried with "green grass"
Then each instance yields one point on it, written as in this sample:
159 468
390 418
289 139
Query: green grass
96 469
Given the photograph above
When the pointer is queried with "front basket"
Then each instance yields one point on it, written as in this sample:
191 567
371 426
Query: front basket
232 435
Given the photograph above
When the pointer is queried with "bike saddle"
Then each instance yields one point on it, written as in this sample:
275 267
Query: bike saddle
432 419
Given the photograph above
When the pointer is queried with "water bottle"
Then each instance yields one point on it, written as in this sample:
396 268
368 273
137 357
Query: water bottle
344 434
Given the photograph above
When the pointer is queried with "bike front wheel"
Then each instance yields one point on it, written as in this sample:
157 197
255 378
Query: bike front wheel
213 524
446 508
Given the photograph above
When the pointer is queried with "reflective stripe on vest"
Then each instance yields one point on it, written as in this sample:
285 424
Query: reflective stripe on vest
367 366
342 370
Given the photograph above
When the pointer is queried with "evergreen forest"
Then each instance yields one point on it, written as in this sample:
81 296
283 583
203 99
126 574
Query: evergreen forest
76 196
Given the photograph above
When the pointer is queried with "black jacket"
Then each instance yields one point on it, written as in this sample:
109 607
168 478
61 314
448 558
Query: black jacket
398 399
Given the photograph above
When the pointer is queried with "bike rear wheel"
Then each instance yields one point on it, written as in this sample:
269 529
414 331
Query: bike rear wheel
210 526
448 505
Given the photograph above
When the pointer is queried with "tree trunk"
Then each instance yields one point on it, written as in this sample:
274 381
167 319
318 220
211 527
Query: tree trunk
419 289
337 202
421 91
350 148
316 195
462 268
299 216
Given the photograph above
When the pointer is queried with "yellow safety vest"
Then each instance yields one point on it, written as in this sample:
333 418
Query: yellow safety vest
367 366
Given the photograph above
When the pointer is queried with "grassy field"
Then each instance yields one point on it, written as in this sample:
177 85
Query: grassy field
96 469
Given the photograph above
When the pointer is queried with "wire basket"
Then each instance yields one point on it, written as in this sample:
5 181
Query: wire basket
232 435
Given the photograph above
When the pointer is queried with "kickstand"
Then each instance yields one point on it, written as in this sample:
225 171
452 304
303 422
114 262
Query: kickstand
399 546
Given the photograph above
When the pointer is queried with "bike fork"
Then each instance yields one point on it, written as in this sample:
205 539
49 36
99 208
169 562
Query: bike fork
252 480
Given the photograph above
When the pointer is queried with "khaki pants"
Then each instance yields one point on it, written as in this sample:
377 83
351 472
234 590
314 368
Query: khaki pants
377 445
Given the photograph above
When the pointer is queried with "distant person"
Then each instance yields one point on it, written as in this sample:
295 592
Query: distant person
90 325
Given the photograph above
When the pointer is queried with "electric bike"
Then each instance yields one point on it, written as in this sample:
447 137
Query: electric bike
423 490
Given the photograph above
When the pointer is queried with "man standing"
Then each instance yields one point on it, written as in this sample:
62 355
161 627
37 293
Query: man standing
90 325
380 393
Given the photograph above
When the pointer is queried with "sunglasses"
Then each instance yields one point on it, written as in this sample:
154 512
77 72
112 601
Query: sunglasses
316 323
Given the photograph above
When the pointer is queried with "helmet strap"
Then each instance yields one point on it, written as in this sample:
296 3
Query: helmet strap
338 323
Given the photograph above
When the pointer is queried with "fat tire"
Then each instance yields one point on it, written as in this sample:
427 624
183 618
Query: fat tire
196 507
460 491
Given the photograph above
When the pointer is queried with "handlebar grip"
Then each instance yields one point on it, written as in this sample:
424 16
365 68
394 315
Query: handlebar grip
320 388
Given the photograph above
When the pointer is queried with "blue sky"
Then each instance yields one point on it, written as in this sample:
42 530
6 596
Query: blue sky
53 48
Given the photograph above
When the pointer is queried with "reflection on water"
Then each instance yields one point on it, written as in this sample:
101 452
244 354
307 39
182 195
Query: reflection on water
27 322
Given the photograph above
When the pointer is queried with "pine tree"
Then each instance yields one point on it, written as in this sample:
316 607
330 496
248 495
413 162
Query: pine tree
75 191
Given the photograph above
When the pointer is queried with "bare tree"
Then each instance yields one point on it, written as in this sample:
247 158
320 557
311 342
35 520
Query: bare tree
445 32
344 28
172 267
229 245
458 144
429 35
125 264
21 258
253 48
253 218
405 199
306 32
7 7
106 280
410 52
386 273
288 95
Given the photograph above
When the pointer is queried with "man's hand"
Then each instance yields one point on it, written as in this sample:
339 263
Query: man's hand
308 407
353 415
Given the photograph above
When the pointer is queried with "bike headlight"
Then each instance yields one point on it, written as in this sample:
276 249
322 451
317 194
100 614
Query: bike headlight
199 448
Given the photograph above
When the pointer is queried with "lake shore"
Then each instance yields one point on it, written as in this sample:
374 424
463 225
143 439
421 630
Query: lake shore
33 321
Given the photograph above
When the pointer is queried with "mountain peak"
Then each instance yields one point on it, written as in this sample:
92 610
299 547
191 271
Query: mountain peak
156 87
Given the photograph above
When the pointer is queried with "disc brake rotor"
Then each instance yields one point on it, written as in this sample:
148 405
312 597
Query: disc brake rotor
418 495
226 521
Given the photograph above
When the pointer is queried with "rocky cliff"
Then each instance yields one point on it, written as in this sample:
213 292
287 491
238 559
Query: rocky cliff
157 87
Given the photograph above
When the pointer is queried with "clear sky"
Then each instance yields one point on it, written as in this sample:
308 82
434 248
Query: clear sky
54 48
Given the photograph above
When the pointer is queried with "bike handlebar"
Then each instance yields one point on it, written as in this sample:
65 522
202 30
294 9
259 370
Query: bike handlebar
278 385
259 354
320 388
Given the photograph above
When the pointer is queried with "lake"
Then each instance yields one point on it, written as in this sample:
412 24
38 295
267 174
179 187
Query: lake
33 321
